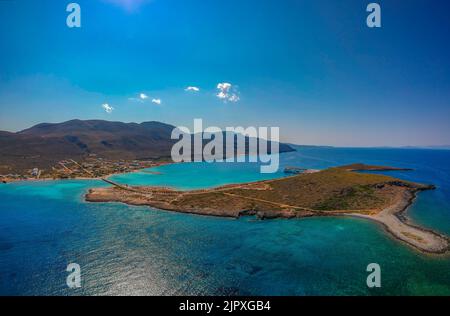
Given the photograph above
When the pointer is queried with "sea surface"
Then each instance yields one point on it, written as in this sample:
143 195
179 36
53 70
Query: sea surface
125 250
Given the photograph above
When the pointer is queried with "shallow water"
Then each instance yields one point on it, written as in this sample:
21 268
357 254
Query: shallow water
44 226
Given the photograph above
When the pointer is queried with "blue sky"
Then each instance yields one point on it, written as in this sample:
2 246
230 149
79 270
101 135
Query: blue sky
311 67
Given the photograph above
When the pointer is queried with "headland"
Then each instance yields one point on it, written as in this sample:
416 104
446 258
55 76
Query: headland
336 191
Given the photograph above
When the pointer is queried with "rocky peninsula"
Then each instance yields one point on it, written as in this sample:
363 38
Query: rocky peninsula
339 191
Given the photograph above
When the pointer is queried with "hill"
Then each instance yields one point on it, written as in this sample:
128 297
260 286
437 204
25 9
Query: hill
45 144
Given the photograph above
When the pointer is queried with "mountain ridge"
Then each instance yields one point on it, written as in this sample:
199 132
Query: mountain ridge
44 145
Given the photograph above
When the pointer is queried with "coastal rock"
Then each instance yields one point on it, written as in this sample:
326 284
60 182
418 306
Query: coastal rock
330 192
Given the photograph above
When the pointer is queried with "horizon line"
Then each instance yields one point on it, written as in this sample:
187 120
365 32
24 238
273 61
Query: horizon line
432 147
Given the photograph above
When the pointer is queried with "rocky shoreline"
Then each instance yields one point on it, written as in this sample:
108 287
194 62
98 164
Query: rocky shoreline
382 199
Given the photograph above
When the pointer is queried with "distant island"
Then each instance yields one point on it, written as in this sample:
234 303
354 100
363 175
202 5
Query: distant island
336 191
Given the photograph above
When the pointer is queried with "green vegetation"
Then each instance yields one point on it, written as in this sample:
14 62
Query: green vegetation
358 196
332 189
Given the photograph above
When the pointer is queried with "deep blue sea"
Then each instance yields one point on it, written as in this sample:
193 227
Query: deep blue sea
124 250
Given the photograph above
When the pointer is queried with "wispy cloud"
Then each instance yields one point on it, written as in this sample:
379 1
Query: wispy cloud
157 101
227 92
140 98
108 109
192 89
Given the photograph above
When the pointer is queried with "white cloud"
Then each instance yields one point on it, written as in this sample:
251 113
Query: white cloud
157 101
193 89
108 109
141 97
224 86
227 92
234 98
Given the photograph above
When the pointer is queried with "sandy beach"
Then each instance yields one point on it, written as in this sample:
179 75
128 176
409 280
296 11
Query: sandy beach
394 219
382 199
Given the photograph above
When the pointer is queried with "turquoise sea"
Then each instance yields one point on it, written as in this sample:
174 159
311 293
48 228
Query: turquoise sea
124 250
